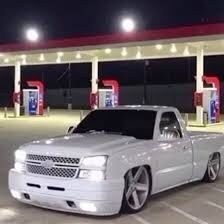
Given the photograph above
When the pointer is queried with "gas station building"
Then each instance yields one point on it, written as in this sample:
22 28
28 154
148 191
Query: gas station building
190 41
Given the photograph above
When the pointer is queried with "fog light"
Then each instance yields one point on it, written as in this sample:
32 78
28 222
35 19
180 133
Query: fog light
87 207
26 196
71 204
16 194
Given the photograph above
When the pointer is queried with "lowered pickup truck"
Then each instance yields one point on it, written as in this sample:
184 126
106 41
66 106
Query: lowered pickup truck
114 160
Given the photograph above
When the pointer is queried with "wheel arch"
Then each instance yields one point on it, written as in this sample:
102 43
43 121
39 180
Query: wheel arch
148 167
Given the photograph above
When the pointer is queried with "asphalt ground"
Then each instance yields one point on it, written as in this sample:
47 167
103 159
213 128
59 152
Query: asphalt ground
194 203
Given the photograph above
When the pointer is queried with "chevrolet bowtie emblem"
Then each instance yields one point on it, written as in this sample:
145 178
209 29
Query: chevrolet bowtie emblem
48 164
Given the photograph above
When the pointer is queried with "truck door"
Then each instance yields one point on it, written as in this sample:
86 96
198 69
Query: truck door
175 158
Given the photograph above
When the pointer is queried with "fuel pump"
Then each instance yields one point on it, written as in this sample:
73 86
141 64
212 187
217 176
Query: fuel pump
33 99
209 99
108 96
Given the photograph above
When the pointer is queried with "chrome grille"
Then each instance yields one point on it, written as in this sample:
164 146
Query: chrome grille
64 160
52 166
53 172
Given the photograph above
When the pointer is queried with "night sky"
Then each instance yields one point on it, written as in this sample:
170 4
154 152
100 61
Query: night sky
64 19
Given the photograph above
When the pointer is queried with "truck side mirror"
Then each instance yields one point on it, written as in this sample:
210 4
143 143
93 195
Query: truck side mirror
70 129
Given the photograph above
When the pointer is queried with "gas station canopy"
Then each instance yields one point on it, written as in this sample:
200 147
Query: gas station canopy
189 41
153 44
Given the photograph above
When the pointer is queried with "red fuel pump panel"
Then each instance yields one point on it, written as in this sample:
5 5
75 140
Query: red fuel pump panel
40 86
214 80
94 97
115 86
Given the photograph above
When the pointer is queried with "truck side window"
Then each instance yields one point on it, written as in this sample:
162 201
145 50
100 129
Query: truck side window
169 122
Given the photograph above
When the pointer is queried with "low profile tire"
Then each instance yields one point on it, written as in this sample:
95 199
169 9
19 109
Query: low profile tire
213 168
137 190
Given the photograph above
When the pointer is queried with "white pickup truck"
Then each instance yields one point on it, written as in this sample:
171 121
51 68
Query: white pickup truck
114 160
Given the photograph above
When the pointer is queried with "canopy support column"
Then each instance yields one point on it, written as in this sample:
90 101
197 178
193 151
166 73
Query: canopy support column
95 77
199 82
17 89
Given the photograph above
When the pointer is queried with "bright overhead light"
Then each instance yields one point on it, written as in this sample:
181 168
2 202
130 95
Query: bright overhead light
124 52
32 35
108 51
78 55
6 60
159 46
1 55
128 24
186 51
173 48
42 58
60 54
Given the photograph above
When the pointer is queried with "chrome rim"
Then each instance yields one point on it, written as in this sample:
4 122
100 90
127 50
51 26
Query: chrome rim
213 166
137 187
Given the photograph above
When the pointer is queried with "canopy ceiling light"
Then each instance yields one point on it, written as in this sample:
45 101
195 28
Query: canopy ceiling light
41 58
124 52
173 48
6 60
58 60
186 51
23 56
108 51
60 54
78 55
24 61
139 54
159 46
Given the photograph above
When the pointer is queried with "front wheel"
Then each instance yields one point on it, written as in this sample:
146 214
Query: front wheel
137 189
213 168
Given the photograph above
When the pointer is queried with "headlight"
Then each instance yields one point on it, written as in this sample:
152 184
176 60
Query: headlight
93 168
95 175
95 162
20 156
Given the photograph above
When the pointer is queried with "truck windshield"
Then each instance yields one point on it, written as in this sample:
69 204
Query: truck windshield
137 123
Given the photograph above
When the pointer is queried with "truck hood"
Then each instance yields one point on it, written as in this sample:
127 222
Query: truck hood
80 145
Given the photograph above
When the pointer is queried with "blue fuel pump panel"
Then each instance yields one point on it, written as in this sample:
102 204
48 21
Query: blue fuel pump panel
33 102
109 99
213 111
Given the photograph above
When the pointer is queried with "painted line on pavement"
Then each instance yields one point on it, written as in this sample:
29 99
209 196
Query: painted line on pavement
185 214
214 205
140 219
218 189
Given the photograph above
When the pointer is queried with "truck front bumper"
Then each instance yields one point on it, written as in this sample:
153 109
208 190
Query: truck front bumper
73 195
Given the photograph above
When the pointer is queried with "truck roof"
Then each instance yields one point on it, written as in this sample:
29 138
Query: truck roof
140 107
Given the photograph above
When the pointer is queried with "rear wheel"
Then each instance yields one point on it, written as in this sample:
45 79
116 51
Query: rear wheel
137 189
213 168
